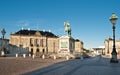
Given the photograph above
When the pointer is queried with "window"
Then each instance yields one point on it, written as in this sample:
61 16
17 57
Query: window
41 42
31 42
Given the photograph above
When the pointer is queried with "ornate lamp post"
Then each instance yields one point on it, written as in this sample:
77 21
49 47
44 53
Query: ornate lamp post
3 33
113 20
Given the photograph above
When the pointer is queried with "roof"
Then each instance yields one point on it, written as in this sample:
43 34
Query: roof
77 40
35 32
98 48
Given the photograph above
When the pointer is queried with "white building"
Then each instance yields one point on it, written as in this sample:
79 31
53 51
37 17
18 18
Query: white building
4 45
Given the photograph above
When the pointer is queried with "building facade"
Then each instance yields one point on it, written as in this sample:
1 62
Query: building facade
4 43
39 42
109 46
78 46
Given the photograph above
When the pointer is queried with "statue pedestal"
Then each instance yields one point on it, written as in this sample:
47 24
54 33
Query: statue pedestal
66 46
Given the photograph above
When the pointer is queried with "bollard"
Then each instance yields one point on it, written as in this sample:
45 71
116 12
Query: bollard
2 53
67 57
29 55
81 57
24 55
54 57
33 56
43 56
16 55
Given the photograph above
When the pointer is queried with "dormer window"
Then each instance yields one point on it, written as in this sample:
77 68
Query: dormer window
38 33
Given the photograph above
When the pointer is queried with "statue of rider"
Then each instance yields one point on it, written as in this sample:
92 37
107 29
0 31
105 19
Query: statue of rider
67 28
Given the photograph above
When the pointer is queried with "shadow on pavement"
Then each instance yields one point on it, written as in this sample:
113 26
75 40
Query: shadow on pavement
95 65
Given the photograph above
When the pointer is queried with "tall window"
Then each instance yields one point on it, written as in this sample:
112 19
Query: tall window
41 42
53 47
31 42
37 42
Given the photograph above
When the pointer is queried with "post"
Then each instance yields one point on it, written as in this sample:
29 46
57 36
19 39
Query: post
81 56
29 55
43 56
67 57
24 55
16 55
3 50
2 53
54 57
33 56
114 53
113 20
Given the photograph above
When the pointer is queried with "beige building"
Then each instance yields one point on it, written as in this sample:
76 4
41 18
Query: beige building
109 46
40 42
78 46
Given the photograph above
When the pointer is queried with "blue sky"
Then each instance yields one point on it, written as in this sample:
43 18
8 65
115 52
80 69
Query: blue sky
89 19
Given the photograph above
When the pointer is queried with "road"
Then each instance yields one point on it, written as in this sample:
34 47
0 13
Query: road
90 66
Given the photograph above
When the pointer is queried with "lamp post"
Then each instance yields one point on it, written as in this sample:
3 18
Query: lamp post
3 33
113 20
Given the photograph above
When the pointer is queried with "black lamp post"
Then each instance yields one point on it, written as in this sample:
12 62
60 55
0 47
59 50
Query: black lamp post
113 20
3 33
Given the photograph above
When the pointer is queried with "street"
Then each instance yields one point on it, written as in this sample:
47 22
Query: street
89 66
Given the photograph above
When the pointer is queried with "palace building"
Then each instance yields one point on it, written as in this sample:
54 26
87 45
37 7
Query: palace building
44 42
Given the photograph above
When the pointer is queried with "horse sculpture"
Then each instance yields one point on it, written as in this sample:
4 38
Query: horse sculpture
67 28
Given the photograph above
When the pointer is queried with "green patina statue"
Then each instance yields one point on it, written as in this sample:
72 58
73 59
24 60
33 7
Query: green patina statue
67 28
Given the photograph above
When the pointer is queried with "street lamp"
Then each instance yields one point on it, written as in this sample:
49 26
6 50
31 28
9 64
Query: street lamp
113 20
3 33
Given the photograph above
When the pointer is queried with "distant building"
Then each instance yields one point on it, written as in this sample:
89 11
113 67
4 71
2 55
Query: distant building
4 46
99 51
41 42
78 46
4 43
109 46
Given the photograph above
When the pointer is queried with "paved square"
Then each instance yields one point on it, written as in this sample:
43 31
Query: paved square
90 66
28 66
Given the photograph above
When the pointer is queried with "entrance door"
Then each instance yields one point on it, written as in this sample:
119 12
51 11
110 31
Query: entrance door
43 51
31 51
37 52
